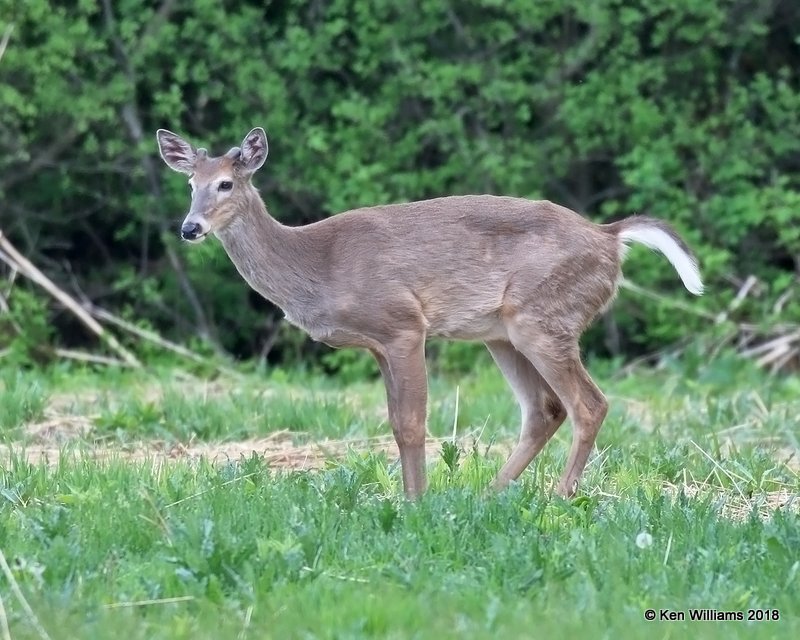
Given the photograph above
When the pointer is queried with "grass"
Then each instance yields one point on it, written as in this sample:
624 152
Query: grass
689 503
22 399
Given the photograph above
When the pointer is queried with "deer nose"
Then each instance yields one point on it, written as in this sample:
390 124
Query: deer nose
190 231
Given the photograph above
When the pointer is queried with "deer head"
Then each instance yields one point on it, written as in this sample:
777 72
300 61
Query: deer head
220 186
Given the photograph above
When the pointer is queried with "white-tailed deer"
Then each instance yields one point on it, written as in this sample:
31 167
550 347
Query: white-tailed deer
524 277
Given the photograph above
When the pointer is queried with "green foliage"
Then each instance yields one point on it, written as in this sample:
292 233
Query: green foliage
25 329
689 111
350 365
450 357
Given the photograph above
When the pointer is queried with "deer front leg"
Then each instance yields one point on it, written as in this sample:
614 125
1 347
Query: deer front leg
404 373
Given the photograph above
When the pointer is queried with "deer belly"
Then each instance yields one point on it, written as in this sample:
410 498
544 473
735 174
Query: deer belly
477 327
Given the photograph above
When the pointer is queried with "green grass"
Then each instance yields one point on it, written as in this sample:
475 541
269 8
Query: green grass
22 399
688 504
339 554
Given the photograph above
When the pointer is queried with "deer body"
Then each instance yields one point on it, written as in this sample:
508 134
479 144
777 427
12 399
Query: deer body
371 269
524 277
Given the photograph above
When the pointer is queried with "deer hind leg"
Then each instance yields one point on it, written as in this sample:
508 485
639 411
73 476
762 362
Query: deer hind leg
402 365
558 361
542 411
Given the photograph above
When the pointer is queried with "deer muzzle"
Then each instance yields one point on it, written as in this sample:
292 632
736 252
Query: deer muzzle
193 231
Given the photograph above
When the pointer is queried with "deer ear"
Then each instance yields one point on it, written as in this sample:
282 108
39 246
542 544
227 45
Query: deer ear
254 150
176 152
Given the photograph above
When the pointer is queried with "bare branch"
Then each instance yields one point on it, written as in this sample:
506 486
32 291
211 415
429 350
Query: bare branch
82 356
4 40
19 262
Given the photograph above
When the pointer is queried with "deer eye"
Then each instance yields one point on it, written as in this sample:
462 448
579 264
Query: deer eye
225 185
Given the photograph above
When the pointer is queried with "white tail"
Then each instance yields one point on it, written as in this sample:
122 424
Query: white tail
652 234
524 277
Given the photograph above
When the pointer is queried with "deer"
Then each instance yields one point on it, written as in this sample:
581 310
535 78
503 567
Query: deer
525 277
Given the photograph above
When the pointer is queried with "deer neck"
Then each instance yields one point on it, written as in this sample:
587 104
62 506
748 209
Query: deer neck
275 260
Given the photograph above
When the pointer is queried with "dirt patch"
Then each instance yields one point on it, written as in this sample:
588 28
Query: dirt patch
279 450
63 432
58 429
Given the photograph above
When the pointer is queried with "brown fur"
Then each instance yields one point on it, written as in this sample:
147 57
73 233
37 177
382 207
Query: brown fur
525 277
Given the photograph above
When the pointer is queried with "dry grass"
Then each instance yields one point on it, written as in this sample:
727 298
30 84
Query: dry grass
738 506
278 449
48 441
